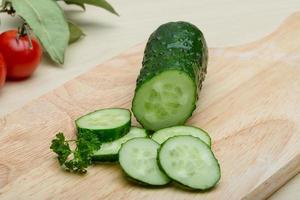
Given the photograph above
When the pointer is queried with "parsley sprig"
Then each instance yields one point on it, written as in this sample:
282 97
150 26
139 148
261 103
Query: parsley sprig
79 159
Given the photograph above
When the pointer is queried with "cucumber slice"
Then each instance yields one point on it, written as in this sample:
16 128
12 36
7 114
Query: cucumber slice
108 124
190 162
164 134
167 99
174 67
138 159
109 151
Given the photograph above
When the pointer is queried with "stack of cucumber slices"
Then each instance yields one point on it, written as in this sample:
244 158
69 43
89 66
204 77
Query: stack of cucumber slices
179 153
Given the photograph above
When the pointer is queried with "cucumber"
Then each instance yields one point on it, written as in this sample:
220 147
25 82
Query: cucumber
109 151
174 67
138 159
190 162
108 124
164 134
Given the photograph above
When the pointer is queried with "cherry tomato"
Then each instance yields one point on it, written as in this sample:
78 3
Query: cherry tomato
2 71
20 57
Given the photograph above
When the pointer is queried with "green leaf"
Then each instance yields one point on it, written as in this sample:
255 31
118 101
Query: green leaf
75 32
100 3
69 2
48 23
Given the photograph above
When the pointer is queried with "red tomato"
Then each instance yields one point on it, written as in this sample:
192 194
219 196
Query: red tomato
21 59
2 71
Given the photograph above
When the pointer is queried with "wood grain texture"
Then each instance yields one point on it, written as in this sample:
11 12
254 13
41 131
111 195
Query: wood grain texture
249 105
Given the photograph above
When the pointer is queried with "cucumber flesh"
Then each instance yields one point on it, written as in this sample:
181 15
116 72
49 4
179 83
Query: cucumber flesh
109 150
190 162
162 135
138 159
167 99
104 119
108 124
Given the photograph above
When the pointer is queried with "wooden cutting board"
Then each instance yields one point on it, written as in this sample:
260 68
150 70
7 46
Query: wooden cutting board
250 104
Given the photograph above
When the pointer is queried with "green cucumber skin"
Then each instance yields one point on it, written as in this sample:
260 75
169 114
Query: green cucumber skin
106 135
191 126
175 46
186 186
110 158
105 158
129 178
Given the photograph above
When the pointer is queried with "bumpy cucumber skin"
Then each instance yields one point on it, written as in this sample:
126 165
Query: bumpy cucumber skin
106 135
175 46
182 184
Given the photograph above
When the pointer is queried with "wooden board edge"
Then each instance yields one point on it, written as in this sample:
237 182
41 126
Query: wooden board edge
276 181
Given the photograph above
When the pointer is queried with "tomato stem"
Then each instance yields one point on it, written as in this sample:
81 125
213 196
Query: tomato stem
24 30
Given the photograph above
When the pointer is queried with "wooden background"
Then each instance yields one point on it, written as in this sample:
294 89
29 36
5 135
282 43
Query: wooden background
255 19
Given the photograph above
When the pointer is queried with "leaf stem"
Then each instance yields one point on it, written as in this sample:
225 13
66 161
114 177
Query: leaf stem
6 7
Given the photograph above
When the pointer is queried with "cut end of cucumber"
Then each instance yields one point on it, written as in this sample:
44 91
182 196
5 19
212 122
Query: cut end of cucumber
189 161
104 119
138 159
167 99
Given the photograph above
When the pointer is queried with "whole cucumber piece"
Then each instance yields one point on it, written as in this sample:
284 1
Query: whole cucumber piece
174 67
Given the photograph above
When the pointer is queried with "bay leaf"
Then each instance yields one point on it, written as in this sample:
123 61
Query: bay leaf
100 3
69 2
75 32
48 23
